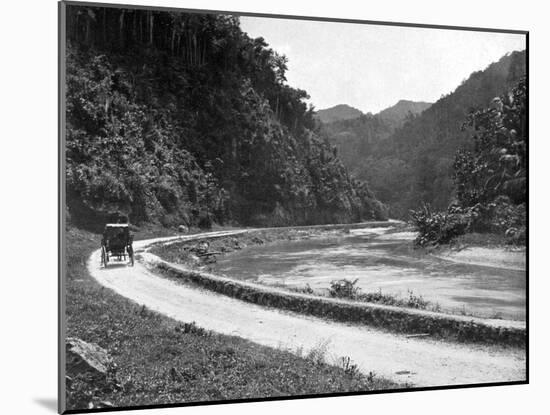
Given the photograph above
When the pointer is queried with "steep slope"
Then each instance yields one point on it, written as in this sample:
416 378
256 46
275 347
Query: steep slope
355 137
416 164
338 113
182 118
413 164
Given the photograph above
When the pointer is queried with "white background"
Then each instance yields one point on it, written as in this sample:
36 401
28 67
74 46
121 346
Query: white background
28 204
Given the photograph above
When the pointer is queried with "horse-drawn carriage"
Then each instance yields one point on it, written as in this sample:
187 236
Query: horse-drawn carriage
117 242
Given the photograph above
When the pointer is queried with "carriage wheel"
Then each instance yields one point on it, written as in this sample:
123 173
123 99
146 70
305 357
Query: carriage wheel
131 255
104 257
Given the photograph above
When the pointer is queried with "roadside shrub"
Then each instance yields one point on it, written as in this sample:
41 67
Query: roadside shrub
505 215
351 369
344 288
501 217
192 328
441 227
379 210
318 354
497 216
371 376
416 301
305 290
378 297
412 301
516 236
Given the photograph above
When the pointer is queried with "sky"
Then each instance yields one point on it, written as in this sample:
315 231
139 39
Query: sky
371 67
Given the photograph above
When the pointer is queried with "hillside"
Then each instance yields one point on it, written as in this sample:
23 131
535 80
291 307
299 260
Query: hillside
413 164
338 113
397 114
355 137
182 118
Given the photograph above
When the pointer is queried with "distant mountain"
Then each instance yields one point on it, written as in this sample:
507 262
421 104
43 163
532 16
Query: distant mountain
338 113
413 163
394 116
397 114
354 137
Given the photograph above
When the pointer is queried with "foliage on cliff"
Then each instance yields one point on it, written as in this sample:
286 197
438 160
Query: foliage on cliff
490 176
183 118
413 164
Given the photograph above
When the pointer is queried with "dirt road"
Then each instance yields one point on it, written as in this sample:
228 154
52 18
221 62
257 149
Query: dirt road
414 360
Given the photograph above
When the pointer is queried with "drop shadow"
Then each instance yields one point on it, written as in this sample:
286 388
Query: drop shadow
48 403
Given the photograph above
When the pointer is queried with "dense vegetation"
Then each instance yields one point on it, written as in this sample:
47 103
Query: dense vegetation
360 139
413 164
396 115
490 178
182 118
354 139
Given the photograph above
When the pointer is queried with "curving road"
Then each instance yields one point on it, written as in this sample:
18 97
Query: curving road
414 360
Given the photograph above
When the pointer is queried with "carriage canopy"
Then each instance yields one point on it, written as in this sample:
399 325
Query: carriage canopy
117 234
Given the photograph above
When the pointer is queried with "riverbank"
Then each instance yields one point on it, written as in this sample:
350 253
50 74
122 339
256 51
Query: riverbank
489 250
375 264
161 362
511 259
201 252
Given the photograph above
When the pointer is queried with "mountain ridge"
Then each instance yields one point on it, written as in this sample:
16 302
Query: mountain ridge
414 163
395 114
338 112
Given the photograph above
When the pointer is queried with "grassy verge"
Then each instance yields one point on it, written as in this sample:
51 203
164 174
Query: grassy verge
161 361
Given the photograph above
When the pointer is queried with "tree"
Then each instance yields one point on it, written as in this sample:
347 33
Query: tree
497 165
180 117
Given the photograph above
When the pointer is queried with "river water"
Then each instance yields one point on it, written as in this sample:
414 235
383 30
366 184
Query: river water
382 259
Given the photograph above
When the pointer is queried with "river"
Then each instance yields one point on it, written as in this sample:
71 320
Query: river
382 259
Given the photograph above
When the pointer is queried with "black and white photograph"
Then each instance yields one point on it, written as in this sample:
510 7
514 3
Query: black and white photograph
258 207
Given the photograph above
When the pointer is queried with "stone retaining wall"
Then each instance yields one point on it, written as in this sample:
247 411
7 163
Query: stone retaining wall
391 318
